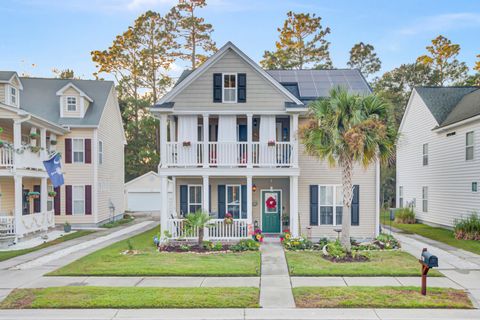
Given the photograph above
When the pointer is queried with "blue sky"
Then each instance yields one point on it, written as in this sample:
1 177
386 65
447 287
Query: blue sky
38 35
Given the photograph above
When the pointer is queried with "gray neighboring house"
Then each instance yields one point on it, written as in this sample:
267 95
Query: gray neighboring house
438 156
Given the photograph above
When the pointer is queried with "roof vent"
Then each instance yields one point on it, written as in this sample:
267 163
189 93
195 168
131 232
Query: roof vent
451 134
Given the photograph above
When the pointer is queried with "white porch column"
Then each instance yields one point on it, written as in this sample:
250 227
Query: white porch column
18 190
17 134
205 140
163 140
249 140
294 206
294 138
163 206
43 200
249 200
43 142
206 194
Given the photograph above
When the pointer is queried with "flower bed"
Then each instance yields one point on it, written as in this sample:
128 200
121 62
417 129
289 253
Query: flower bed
209 247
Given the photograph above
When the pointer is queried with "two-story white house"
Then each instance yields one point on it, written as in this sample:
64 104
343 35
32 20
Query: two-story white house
81 120
438 159
229 144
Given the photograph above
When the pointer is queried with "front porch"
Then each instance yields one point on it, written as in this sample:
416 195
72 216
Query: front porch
267 203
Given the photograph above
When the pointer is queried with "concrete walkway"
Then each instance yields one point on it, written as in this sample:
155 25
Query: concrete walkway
275 285
241 314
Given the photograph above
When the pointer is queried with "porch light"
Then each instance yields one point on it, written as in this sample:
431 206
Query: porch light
254 188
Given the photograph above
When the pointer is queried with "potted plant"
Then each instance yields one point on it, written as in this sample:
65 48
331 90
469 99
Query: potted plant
257 235
228 218
53 142
187 143
34 194
271 143
35 149
67 227
286 235
33 135
52 194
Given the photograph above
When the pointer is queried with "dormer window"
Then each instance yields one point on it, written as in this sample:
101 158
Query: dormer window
13 96
229 87
71 103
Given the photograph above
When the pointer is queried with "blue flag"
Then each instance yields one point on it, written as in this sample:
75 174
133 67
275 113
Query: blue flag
54 170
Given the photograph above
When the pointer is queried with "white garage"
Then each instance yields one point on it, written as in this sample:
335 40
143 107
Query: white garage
143 193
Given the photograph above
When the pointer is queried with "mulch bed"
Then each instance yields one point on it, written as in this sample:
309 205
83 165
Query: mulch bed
349 258
193 248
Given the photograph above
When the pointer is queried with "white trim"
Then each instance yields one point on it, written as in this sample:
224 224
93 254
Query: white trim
456 124
71 85
9 81
141 177
229 172
235 89
222 112
188 197
334 204
377 198
214 58
95 186
73 200
70 104
262 200
73 151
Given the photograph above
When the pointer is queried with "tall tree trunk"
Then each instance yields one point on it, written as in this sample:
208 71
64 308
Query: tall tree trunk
200 236
347 171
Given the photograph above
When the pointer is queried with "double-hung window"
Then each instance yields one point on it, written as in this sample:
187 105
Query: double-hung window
50 199
78 200
194 198
233 200
100 151
78 150
469 146
71 103
13 96
400 196
229 87
424 199
425 154
330 204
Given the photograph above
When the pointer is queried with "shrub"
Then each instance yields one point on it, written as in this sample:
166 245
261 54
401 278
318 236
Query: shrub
387 241
207 245
217 246
335 249
245 245
297 244
467 228
185 247
405 216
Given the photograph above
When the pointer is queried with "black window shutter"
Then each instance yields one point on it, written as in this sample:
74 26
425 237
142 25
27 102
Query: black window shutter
183 200
217 87
36 201
243 194
221 201
242 88
356 206
313 205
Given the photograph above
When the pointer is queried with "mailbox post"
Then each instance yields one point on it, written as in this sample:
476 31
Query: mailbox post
427 261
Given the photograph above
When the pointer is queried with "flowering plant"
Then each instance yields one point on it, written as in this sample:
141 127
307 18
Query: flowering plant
52 194
297 244
257 235
228 218
285 236
271 203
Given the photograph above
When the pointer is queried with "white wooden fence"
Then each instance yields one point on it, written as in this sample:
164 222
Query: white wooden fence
7 226
218 230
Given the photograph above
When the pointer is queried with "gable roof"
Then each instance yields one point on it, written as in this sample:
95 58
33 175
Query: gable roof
143 176
40 97
449 105
71 85
190 77
5 76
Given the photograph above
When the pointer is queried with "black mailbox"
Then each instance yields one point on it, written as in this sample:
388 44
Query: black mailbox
429 259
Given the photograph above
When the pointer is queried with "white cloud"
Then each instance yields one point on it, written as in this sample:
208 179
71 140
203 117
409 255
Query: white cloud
441 23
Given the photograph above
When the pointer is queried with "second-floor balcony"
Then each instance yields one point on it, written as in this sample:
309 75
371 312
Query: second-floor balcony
230 154
23 158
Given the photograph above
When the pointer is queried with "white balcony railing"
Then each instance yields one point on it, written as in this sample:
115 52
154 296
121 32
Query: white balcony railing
230 154
219 230
6 157
21 159
7 226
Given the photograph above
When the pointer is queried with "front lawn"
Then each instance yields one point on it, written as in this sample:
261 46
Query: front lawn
149 262
131 298
112 224
5 255
435 233
380 297
381 263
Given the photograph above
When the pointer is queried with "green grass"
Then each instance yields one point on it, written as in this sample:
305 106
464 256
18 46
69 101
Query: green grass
5 255
435 233
126 219
131 298
380 297
381 263
111 262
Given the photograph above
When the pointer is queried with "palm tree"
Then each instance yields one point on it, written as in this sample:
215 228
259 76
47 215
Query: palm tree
198 221
346 129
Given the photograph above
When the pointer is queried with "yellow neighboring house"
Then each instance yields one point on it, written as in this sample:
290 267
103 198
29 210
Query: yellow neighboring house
80 119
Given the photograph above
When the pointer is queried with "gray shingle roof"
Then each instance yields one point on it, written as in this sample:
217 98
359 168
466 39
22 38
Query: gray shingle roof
444 103
6 75
39 97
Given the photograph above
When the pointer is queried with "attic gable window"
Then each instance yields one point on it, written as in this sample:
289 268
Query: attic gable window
229 87
13 96
71 103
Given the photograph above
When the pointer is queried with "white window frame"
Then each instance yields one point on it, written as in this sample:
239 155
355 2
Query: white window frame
474 187
235 89
470 146
424 198
13 96
50 204
76 199
68 104
227 204
400 196
100 152
425 154
82 151
334 204
194 203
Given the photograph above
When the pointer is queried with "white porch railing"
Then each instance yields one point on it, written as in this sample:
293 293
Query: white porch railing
7 226
6 157
230 154
219 230
35 222
29 160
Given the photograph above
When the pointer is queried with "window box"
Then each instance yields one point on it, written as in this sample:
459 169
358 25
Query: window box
187 143
271 143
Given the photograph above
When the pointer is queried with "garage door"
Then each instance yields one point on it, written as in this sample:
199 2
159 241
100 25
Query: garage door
144 201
